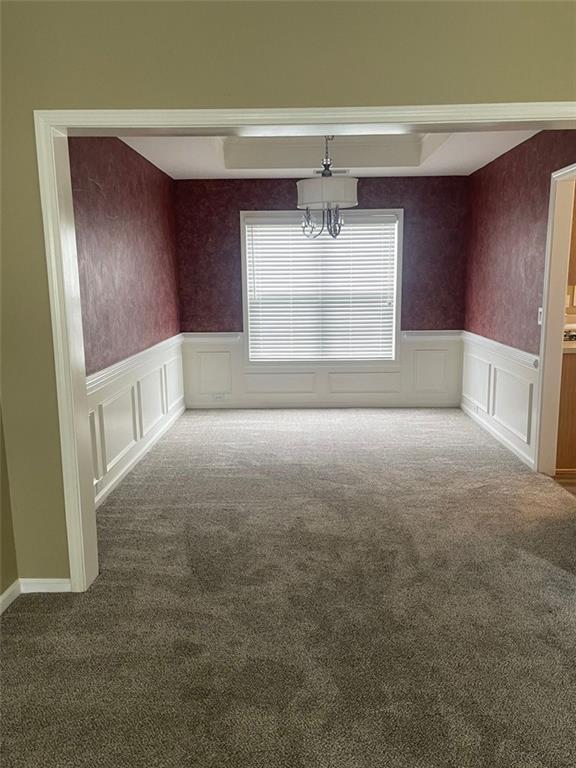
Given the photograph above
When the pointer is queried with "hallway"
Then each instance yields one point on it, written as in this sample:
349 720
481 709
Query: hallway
312 589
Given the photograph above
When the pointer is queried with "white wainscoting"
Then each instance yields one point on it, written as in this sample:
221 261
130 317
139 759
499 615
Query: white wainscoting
217 374
131 404
499 386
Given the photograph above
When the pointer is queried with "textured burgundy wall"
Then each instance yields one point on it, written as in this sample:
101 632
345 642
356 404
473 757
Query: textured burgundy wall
509 218
208 245
123 209
126 245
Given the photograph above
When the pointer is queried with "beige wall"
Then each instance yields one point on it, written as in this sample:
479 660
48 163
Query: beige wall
8 568
121 55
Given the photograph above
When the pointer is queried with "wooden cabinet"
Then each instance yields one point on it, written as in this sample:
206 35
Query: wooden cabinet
566 457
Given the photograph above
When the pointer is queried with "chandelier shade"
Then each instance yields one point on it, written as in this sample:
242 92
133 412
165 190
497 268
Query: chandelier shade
326 192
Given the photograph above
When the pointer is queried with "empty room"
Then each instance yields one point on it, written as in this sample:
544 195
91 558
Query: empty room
288 409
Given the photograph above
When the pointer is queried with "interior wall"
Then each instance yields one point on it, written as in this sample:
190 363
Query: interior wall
509 219
209 245
125 239
134 55
8 565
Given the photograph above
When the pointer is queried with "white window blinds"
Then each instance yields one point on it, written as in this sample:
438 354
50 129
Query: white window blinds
323 299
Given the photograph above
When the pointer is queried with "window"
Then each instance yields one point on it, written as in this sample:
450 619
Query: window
322 299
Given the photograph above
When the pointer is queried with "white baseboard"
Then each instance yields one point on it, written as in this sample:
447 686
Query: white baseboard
9 595
499 391
30 586
44 585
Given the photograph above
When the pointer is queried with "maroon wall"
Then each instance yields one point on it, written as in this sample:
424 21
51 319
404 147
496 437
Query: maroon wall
509 218
208 245
123 209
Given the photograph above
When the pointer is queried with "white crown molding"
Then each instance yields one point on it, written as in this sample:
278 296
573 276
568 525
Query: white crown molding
510 353
248 122
107 375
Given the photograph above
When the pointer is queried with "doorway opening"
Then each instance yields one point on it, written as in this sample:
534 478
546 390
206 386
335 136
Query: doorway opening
557 427
53 130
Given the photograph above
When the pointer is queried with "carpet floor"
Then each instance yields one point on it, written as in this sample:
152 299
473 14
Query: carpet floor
309 589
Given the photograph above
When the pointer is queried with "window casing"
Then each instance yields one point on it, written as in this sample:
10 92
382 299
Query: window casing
326 299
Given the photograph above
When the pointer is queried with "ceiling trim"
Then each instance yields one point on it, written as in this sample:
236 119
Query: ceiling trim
314 121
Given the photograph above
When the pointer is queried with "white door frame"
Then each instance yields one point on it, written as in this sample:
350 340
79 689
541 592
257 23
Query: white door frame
560 214
52 130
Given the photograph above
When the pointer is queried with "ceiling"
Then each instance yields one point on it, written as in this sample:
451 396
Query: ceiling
233 157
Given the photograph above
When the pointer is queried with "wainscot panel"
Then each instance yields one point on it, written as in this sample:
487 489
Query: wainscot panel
131 404
499 388
217 374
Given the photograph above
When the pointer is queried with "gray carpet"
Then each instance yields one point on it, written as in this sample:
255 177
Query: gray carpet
310 589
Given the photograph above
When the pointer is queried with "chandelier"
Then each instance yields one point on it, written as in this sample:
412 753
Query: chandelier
326 193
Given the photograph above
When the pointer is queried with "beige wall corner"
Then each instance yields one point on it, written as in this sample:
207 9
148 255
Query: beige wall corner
8 567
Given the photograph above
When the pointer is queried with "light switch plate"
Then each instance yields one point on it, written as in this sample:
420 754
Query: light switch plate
540 314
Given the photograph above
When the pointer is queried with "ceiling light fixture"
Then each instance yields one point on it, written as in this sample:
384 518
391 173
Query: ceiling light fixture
328 194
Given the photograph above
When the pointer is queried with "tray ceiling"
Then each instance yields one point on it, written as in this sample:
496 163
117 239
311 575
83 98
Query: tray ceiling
431 154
